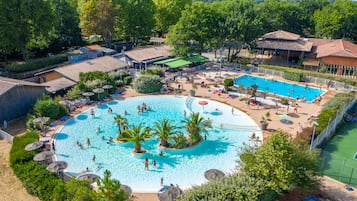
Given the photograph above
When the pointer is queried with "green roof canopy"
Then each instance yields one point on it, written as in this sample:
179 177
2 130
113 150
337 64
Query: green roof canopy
165 61
178 63
196 59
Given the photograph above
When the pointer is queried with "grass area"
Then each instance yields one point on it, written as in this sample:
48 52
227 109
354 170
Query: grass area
337 155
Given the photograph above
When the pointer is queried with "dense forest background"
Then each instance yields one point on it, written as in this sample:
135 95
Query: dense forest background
35 28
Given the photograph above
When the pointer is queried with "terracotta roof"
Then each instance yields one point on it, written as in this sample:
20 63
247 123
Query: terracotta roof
105 64
281 35
300 45
144 54
93 47
58 84
337 48
8 83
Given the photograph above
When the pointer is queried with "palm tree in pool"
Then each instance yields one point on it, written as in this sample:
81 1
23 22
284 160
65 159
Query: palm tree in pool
136 135
195 126
164 130
122 123
109 189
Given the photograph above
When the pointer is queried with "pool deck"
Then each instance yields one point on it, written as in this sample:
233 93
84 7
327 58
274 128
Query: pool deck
299 120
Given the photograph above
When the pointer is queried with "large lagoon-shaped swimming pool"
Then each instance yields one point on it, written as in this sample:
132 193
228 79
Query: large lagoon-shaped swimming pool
183 167
279 87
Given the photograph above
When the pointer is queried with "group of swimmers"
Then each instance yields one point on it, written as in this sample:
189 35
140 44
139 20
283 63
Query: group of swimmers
146 163
143 108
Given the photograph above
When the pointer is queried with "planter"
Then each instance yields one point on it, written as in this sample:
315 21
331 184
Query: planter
263 125
192 92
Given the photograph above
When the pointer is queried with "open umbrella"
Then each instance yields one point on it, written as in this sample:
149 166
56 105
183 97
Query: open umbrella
203 103
34 146
88 94
106 87
89 177
56 166
213 174
98 91
42 156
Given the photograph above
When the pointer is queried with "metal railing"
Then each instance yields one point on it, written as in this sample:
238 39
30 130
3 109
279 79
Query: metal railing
6 136
318 81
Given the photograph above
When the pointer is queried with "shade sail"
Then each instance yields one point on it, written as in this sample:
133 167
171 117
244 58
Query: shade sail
196 59
178 63
166 60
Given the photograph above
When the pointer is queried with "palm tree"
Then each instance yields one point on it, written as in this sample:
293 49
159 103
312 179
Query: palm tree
122 123
136 135
109 189
195 126
164 129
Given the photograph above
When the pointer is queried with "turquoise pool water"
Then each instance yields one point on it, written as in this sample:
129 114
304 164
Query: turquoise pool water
183 167
279 87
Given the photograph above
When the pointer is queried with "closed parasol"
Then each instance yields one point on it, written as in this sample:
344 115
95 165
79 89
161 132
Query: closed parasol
213 174
57 166
42 156
34 146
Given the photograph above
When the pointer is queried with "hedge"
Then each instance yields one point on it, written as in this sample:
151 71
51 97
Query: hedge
293 76
331 108
37 180
350 81
37 63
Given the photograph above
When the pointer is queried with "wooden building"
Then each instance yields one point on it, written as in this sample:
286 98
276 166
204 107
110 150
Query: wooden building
17 97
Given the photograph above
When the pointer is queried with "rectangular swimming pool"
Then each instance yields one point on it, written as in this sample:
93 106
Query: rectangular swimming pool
280 88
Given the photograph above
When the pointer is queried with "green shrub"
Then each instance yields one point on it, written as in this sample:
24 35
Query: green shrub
338 101
152 72
234 187
127 80
180 141
120 74
119 83
75 92
324 119
37 64
323 69
228 83
147 84
49 108
293 76
40 182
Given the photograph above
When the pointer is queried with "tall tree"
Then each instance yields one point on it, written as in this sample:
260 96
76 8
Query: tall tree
67 33
308 8
97 17
193 32
167 13
109 189
25 25
136 19
242 23
337 20
283 164
281 15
